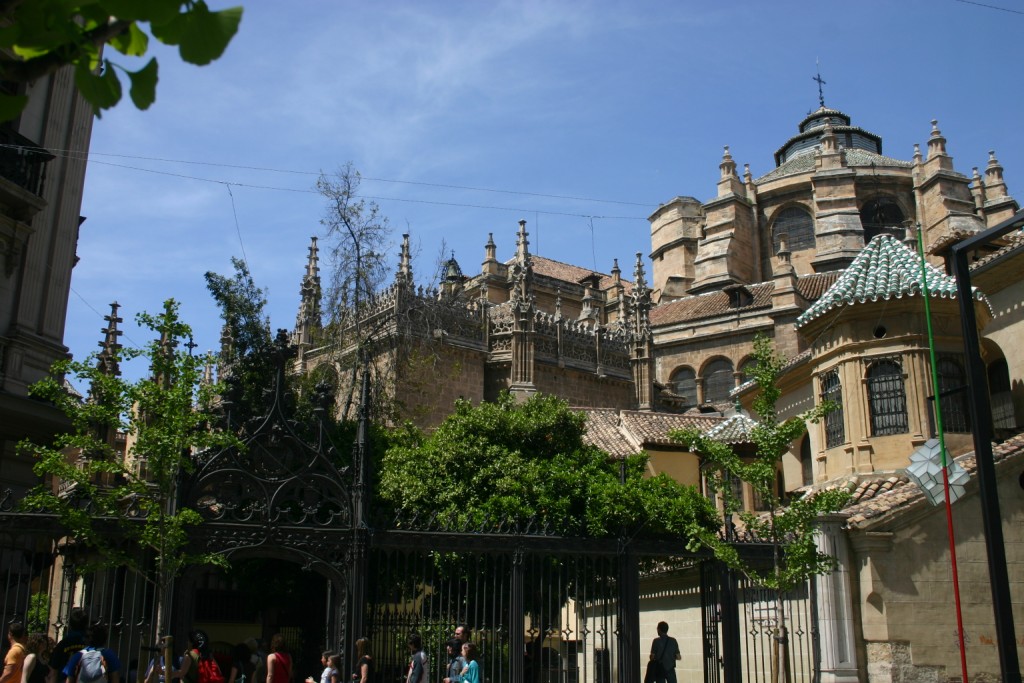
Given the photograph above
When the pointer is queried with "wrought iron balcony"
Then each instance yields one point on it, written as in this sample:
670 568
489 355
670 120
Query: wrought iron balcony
22 161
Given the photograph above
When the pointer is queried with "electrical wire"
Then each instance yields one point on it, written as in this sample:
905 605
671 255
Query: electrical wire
77 154
373 197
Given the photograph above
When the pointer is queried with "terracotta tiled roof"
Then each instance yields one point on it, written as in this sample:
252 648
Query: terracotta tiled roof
603 432
709 305
570 273
882 498
884 269
811 287
950 238
735 429
652 428
1015 244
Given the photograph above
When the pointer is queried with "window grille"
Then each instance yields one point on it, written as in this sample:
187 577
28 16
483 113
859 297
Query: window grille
887 398
798 224
1003 416
718 381
832 390
953 395
684 384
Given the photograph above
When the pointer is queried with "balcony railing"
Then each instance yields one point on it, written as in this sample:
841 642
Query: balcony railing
22 161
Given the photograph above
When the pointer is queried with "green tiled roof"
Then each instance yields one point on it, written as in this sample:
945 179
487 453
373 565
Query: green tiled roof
805 163
885 269
736 429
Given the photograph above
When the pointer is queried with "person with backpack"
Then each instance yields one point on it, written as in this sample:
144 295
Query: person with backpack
72 642
94 663
279 662
198 664
419 664
664 653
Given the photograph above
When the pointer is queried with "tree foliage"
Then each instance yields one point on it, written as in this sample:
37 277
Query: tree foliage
247 353
357 236
45 35
519 462
788 523
116 505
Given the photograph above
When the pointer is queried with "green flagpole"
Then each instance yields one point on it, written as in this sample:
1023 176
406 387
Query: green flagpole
937 402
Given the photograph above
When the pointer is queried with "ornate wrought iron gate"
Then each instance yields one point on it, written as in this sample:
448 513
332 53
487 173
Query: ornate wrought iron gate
545 609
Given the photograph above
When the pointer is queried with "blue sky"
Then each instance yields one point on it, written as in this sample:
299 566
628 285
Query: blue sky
621 105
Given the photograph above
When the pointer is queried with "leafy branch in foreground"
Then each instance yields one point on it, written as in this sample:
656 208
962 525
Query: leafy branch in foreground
789 522
41 36
115 504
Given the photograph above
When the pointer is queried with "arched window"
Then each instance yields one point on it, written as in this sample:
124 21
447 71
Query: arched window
806 462
684 384
718 381
881 215
953 395
798 225
887 398
747 370
832 390
1001 398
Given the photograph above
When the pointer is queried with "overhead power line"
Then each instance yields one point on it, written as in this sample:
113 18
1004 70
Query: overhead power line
373 197
266 169
982 4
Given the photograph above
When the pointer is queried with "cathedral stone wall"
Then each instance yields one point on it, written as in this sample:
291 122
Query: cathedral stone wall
584 389
436 376
908 617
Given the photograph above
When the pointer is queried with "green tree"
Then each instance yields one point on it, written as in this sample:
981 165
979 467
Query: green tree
524 461
45 35
37 617
123 509
789 524
246 350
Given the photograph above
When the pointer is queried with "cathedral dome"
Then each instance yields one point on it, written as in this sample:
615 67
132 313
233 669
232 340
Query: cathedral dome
812 127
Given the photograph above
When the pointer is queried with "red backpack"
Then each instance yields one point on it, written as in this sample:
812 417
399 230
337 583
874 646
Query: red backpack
207 668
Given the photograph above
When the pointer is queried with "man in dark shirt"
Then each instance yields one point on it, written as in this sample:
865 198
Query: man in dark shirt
72 642
665 651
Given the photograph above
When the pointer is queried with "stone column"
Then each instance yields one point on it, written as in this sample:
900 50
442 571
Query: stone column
835 606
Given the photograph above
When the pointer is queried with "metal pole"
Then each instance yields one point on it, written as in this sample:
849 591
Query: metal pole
981 414
937 404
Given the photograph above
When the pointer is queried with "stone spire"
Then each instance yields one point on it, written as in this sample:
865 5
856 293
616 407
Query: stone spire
999 205
521 273
978 192
995 186
107 361
404 274
936 143
521 297
729 183
642 360
490 249
728 166
308 319
490 266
